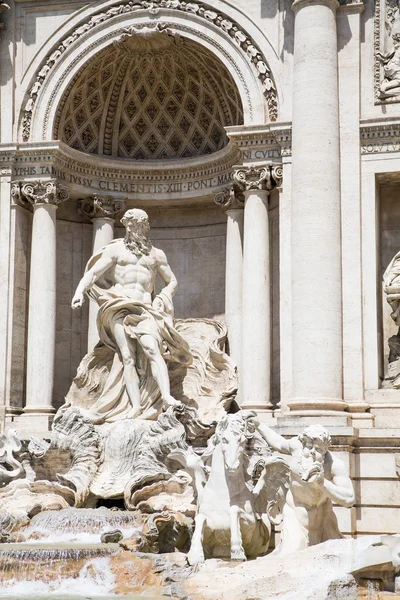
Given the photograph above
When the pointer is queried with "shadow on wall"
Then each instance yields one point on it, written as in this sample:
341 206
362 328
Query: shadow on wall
270 9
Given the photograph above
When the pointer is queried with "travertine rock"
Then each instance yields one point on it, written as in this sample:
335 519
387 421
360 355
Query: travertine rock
328 571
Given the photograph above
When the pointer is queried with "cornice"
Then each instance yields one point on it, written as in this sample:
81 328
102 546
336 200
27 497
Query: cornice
87 175
261 142
380 137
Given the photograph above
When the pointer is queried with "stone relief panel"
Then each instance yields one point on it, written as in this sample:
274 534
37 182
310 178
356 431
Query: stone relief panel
387 51
152 95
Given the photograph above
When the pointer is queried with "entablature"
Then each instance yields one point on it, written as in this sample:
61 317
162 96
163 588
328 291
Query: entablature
380 137
271 142
152 181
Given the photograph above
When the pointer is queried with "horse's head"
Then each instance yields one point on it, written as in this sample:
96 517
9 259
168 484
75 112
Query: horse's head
233 433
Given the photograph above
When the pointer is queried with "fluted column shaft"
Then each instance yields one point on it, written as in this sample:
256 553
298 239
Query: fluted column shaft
256 184
316 253
101 211
232 201
44 196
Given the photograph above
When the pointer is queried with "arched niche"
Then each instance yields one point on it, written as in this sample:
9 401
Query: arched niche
220 36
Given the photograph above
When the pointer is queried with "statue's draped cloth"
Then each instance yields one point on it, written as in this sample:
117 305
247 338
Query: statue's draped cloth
138 319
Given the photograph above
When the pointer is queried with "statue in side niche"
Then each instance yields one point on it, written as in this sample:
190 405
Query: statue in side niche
391 287
317 479
134 322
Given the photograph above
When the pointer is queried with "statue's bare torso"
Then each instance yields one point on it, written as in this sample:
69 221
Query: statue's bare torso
135 274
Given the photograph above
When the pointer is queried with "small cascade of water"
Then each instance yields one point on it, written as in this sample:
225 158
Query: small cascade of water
83 525
26 571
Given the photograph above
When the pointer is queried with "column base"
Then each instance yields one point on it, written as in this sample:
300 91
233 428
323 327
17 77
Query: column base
31 423
265 407
317 405
302 420
39 410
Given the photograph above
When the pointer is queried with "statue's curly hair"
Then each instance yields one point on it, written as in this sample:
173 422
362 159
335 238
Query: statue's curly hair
316 432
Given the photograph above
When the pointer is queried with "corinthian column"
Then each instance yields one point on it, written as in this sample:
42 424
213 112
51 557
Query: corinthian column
232 202
316 234
256 184
102 212
44 197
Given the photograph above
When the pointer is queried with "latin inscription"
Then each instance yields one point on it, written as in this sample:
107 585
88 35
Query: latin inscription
126 187
380 148
260 154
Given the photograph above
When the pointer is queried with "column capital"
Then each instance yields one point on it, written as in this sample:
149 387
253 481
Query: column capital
298 3
34 193
265 177
229 198
95 207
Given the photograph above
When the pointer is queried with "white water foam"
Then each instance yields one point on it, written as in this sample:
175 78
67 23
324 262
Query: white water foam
81 537
94 579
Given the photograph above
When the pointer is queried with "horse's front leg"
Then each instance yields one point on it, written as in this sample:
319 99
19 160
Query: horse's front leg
237 551
196 553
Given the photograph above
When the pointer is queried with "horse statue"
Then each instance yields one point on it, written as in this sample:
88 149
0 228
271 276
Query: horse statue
234 517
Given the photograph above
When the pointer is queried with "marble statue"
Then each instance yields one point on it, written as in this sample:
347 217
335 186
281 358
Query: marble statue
134 322
316 479
233 519
391 287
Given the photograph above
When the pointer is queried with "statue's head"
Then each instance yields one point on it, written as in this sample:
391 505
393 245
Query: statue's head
316 441
136 220
233 433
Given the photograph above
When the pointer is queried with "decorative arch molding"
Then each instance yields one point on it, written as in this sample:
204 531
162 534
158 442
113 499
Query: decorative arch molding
214 30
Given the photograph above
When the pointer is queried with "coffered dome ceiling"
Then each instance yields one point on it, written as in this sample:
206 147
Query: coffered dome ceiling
151 95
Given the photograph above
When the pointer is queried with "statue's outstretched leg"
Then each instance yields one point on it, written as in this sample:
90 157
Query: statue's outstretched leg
196 553
237 551
159 369
127 349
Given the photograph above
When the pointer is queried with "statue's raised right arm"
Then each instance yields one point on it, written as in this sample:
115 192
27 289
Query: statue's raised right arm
275 440
90 277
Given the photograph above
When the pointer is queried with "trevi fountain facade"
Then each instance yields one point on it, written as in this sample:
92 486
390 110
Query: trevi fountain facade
200 299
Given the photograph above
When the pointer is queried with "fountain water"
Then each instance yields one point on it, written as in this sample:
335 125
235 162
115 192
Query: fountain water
84 525
28 571
62 557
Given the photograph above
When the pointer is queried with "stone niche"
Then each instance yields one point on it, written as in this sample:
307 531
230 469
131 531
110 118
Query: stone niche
151 95
194 241
389 209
